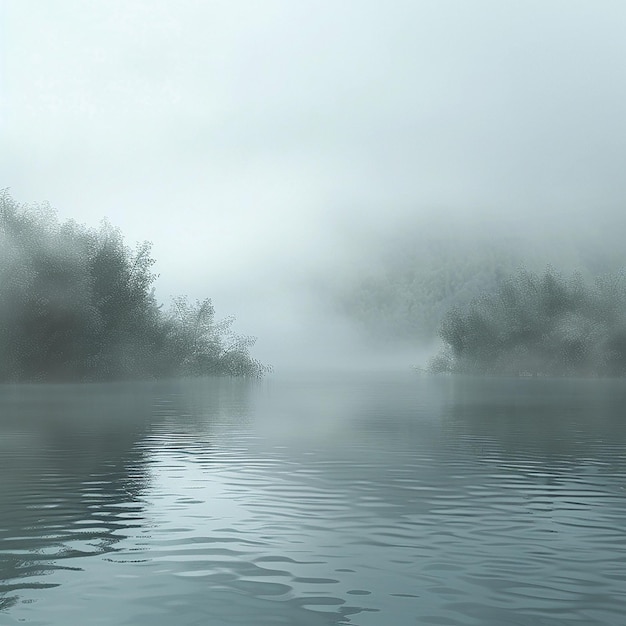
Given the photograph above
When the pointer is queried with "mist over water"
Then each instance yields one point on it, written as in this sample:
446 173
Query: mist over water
363 186
279 157
352 499
365 309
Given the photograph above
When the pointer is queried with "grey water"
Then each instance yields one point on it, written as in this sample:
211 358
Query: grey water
365 499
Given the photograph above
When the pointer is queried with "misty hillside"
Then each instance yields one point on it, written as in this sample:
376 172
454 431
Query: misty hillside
78 304
539 324
416 274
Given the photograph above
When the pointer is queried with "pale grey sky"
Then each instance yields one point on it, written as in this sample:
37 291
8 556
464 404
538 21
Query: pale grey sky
256 141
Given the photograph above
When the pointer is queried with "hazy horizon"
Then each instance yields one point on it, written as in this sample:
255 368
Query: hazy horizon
270 150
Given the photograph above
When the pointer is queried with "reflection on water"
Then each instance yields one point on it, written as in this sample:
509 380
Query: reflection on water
355 500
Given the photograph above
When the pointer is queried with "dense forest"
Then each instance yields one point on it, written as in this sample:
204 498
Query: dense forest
425 268
482 292
406 295
539 324
78 304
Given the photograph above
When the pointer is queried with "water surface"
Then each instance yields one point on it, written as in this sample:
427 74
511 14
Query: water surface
352 499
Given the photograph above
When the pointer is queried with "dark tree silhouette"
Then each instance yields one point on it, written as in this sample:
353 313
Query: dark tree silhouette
539 324
78 304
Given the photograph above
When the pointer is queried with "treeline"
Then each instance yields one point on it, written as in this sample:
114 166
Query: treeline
408 281
77 303
406 296
539 324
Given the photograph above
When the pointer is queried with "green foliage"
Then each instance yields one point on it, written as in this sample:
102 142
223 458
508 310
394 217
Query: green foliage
78 304
408 281
539 324
411 291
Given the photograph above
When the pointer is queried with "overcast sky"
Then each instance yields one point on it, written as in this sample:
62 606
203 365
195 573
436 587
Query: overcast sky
255 141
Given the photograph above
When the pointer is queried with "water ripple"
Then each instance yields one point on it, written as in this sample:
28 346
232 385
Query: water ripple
409 506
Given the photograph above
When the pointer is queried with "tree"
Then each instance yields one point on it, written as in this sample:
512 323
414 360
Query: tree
78 304
541 324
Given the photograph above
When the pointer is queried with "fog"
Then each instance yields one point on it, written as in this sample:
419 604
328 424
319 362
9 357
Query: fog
278 153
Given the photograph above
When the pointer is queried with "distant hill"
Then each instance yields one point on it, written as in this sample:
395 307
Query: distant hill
409 279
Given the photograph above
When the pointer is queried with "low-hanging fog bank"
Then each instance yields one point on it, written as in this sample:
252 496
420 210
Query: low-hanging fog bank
415 272
335 175
372 293
366 295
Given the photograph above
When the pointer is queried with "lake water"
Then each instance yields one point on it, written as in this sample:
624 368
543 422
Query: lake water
366 499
